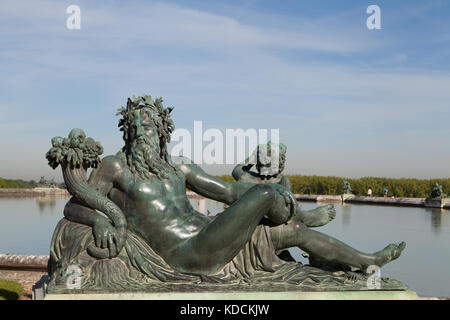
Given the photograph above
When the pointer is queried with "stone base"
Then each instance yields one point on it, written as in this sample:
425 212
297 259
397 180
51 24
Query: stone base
437 203
290 295
346 196
329 198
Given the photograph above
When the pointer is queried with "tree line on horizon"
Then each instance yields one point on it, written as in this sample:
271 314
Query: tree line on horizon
326 185
23 184
329 185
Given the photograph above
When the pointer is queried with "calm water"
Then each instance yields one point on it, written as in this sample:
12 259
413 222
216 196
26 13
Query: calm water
27 225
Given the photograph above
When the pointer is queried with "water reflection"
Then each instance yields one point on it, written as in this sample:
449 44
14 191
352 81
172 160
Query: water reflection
346 214
46 202
27 225
436 220
436 217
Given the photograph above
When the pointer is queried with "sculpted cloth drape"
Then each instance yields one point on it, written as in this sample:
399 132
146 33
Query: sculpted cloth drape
140 268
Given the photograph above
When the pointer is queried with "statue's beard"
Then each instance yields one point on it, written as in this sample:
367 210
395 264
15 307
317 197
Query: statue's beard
145 160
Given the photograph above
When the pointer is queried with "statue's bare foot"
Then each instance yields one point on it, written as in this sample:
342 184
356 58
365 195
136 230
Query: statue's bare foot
391 252
319 217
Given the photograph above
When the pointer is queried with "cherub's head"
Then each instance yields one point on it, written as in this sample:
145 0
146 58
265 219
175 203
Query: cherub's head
271 158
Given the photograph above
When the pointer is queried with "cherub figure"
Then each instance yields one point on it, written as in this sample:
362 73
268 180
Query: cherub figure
269 171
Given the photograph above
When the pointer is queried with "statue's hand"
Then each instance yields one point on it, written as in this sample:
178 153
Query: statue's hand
289 199
106 236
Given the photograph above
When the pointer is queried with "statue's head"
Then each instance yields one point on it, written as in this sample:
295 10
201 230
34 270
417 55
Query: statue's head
266 163
146 127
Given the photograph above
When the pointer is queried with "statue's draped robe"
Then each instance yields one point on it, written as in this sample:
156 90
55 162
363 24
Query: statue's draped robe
138 267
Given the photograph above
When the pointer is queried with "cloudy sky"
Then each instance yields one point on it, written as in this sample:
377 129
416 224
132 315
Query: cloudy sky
348 101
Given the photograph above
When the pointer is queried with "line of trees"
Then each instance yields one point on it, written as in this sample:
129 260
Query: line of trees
17 184
404 187
22 184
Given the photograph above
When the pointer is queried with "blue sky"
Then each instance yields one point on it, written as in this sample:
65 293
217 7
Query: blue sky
348 101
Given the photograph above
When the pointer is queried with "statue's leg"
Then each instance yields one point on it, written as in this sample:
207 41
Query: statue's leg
296 234
219 241
317 217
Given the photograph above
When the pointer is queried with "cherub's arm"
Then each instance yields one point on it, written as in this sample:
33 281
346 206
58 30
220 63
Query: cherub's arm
244 167
241 170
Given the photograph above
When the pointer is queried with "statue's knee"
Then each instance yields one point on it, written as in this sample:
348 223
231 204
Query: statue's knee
264 192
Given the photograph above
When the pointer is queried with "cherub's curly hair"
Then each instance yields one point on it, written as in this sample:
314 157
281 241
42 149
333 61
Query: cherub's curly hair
160 116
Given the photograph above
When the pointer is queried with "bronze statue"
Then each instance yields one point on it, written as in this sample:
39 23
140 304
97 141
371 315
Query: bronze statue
347 187
131 225
437 192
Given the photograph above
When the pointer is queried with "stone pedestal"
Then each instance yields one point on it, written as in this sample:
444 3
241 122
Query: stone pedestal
290 295
437 203
346 196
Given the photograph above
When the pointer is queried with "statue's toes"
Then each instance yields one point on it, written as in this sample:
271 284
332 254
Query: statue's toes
400 247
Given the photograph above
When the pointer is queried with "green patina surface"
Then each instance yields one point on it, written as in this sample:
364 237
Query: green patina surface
149 236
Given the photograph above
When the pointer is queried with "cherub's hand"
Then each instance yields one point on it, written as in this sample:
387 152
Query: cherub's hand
106 236
252 159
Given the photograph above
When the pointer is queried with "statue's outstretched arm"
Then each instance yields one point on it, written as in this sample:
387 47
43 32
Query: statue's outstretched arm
228 192
210 186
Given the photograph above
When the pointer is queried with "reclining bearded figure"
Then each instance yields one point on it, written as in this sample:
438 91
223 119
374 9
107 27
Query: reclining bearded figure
131 225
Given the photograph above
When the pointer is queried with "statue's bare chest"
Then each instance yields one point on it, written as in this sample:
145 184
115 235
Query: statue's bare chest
157 189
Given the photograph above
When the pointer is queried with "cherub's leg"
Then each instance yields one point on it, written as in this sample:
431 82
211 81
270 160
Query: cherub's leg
296 234
220 240
317 217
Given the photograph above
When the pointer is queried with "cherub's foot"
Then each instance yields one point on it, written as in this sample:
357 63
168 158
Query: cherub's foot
320 216
391 252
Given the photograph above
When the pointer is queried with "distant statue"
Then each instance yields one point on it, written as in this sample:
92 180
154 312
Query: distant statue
437 192
130 226
347 187
269 171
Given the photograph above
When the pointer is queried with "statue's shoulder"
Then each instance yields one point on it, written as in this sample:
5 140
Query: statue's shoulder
114 162
186 165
